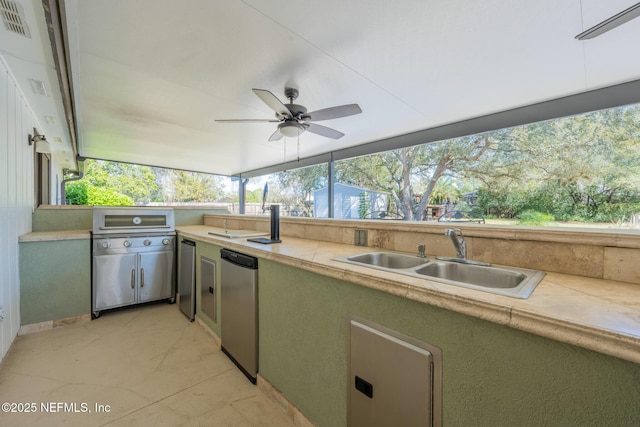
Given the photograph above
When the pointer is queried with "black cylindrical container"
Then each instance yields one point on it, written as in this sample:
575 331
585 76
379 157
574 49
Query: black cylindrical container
275 222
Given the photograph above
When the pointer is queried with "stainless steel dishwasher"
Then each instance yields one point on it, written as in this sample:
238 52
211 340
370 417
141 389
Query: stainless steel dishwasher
239 292
187 281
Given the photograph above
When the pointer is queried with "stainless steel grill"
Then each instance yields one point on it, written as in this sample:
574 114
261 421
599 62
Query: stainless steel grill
133 221
133 257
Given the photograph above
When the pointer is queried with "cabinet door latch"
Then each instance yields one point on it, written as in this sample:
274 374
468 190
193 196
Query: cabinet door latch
364 387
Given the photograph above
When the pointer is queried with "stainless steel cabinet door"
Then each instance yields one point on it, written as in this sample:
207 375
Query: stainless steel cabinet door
187 282
208 300
114 290
390 380
239 293
155 274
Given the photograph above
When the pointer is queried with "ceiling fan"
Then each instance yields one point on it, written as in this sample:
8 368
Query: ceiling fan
293 119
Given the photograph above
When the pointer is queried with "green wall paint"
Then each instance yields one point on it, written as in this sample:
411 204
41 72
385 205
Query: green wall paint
81 217
55 280
493 375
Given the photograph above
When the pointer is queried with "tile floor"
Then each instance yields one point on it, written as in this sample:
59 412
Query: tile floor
149 364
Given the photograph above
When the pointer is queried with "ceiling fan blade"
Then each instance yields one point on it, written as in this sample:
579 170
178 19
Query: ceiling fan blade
611 23
248 121
277 135
273 102
323 131
333 112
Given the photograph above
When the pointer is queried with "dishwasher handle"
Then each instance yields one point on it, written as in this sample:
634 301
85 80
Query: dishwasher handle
239 259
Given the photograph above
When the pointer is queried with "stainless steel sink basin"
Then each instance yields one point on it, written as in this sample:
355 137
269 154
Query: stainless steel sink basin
472 274
502 280
388 260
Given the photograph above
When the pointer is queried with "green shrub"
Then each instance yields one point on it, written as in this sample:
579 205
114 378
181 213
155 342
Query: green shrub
76 193
530 217
616 212
104 197
81 193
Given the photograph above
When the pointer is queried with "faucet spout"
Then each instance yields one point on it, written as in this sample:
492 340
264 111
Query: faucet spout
458 241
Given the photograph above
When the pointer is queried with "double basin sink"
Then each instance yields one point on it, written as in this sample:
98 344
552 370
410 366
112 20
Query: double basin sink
509 281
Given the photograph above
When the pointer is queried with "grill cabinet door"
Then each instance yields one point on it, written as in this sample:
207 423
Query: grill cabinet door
155 276
114 282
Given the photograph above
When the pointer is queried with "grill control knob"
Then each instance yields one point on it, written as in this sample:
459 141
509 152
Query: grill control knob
147 242
165 241
106 245
127 243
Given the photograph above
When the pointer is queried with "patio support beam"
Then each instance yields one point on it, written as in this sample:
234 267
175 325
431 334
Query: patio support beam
330 180
242 194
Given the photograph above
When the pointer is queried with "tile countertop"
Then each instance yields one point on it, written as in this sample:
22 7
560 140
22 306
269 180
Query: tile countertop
600 315
50 236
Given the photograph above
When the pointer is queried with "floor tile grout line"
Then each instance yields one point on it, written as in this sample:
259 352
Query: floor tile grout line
166 397
168 350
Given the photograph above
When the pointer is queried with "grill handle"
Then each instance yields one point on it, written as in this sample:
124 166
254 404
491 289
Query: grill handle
133 278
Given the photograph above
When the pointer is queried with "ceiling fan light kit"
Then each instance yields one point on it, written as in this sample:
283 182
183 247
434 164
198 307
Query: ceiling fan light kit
291 129
293 119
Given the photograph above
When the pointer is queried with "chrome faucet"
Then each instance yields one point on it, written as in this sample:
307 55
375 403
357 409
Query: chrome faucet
458 241
421 251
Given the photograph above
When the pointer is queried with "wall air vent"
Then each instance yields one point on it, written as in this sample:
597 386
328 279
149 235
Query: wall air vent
13 17
38 86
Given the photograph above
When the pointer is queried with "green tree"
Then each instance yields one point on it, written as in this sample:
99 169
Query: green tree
254 196
142 184
571 168
135 181
445 191
183 186
295 187
402 172
363 205
82 193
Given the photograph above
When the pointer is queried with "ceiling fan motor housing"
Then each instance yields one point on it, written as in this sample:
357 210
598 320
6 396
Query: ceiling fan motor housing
297 111
291 93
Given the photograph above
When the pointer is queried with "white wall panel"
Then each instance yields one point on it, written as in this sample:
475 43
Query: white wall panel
16 197
5 339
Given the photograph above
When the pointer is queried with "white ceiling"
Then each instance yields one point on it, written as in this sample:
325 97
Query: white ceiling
151 76
30 58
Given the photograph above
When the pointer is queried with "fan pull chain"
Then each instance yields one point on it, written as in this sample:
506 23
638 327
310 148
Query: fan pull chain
285 150
298 146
